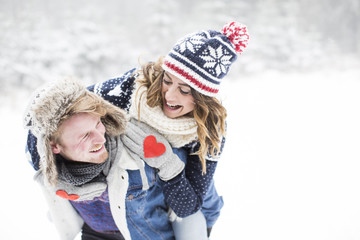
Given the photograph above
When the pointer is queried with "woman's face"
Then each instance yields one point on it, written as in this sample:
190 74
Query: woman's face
177 98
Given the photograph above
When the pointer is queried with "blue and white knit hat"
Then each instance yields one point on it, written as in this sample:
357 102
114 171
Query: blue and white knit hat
203 58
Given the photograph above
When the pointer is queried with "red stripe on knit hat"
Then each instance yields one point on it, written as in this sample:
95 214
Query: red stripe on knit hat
190 78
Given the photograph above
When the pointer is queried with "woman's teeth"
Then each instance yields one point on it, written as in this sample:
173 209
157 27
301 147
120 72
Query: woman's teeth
173 106
98 147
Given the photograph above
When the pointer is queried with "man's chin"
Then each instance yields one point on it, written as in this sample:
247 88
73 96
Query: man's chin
102 158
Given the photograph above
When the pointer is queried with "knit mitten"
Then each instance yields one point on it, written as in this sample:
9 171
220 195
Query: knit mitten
144 143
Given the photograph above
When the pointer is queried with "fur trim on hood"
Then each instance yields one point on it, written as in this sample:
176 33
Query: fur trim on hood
47 107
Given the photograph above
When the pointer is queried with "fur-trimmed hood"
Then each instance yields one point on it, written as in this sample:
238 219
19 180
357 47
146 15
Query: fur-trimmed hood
45 110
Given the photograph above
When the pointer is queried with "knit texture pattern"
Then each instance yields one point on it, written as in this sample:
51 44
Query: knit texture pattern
203 58
79 173
178 132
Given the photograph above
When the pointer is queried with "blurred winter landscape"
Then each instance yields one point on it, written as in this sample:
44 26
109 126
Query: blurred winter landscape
290 168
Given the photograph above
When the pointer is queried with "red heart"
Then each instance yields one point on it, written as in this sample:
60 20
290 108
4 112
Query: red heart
153 148
63 194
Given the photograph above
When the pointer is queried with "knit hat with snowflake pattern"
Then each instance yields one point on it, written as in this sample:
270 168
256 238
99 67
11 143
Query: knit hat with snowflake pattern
48 106
203 58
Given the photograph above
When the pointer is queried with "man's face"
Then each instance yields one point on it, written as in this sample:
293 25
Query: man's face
82 139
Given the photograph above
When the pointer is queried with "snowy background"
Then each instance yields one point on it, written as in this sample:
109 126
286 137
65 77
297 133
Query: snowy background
290 169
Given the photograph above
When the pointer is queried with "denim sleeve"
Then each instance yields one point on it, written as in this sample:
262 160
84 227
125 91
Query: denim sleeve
186 192
212 205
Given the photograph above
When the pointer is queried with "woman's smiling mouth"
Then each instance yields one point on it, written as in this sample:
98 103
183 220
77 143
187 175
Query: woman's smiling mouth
172 106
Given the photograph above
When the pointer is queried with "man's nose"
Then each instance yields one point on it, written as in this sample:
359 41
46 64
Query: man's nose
99 136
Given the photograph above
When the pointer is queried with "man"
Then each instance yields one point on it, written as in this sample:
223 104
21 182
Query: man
91 182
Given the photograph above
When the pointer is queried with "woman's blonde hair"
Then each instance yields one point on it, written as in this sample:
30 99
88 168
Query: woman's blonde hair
208 113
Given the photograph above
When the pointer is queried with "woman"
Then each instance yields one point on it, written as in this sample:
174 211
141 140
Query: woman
177 96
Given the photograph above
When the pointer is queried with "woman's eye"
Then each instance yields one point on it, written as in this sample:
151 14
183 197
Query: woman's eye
184 92
166 82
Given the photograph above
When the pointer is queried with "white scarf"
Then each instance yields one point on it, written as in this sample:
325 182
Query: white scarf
178 131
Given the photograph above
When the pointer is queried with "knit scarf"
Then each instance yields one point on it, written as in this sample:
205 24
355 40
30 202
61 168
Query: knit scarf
88 180
178 131
79 173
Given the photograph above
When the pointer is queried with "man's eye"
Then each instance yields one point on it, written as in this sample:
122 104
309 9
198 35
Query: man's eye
86 136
